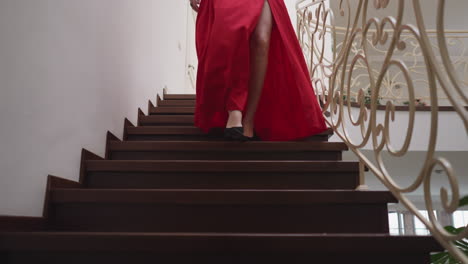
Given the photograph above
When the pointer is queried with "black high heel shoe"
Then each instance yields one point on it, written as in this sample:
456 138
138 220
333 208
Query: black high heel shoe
254 138
234 133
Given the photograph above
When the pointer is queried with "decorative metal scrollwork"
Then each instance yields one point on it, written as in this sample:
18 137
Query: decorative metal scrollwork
366 60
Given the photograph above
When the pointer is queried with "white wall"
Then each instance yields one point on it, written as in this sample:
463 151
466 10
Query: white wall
291 5
71 70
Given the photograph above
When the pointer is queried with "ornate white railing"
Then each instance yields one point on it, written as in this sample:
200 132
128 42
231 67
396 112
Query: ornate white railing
394 87
354 54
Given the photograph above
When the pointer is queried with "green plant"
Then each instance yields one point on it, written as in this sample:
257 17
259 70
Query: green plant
445 257
351 99
417 102
368 98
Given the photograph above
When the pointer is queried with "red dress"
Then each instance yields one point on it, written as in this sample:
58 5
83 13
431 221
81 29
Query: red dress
288 108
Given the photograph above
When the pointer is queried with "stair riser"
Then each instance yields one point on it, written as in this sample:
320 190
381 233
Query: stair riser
213 258
176 110
224 155
191 133
175 103
162 112
251 212
225 180
167 120
128 217
135 137
166 123
187 97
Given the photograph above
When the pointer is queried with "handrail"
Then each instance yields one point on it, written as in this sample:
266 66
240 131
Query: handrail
391 85
334 63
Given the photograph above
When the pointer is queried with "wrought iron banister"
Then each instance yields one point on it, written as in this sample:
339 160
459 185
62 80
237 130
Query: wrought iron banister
341 42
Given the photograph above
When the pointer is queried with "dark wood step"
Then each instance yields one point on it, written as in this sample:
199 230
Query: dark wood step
223 150
21 223
164 130
289 166
176 103
213 180
222 242
191 133
169 133
221 196
167 120
179 96
93 257
210 174
264 211
170 110
145 248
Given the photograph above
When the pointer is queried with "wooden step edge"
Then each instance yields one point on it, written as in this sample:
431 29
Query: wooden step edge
111 140
162 119
193 101
140 115
176 103
158 99
27 223
179 97
192 130
127 126
172 109
220 166
216 242
165 130
193 146
172 103
220 196
183 128
21 223
150 106
162 116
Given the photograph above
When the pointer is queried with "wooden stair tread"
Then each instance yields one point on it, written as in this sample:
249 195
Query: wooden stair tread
212 242
216 196
179 96
220 166
195 200
190 146
164 130
172 110
183 119
176 103
180 130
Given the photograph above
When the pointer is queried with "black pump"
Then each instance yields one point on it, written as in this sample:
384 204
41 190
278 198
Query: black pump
234 133
237 133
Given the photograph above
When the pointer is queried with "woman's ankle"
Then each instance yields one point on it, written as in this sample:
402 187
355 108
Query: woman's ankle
248 128
235 119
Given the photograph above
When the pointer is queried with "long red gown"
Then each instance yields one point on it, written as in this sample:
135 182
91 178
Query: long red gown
288 108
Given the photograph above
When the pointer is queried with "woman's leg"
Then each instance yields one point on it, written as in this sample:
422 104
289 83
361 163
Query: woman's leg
259 47
235 119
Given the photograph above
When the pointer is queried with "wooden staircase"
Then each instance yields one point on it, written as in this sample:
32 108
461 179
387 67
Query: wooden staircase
170 194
